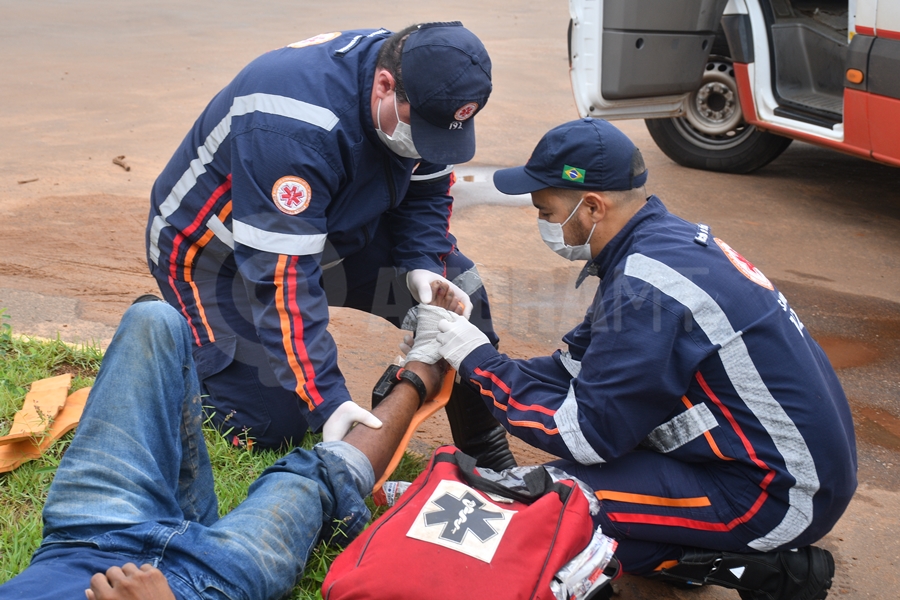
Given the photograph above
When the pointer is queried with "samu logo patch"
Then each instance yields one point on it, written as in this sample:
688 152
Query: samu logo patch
744 266
291 195
457 517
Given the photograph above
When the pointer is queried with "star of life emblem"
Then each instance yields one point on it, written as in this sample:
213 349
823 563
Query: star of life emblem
458 517
291 194
745 266
465 111
315 40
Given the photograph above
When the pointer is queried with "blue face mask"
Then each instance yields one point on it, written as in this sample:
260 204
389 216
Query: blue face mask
401 142
552 234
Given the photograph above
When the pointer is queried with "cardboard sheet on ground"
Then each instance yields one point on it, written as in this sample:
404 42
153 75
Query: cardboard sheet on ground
48 413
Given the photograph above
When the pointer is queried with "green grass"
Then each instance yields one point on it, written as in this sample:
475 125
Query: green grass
24 490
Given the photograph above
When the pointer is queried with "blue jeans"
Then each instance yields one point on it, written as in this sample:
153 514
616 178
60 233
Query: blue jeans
136 480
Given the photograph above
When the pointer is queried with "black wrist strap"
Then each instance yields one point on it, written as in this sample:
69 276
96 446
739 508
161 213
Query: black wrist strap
407 375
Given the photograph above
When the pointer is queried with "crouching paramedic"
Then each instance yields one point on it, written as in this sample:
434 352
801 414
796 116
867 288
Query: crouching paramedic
320 176
691 397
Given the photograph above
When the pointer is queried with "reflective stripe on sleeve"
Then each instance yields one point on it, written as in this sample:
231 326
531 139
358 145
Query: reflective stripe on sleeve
430 176
572 366
468 281
223 233
242 105
566 419
748 383
682 429
278 243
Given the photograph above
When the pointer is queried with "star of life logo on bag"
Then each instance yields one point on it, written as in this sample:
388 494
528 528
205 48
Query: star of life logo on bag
457 517
291 194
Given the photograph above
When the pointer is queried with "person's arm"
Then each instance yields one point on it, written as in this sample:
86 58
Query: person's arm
420 224
395 411
631 375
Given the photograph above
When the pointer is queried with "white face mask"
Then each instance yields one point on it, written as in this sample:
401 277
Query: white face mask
401 142
552 234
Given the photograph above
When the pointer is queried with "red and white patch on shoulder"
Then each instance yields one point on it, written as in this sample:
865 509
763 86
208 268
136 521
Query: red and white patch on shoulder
316 39
291 194
465 111
744 266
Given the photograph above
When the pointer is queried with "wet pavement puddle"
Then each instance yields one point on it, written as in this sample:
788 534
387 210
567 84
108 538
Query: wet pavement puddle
876 427
847 353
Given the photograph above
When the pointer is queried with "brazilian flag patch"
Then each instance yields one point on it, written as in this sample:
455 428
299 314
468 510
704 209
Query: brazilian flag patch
573 174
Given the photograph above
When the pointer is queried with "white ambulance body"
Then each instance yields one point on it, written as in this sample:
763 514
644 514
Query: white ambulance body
726 85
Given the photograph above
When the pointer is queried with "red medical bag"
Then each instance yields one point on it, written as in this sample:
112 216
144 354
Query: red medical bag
455 534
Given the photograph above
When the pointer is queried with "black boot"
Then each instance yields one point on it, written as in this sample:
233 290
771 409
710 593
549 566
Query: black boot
475 430
800 574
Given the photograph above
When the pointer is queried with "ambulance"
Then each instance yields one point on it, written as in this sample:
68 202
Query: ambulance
726 85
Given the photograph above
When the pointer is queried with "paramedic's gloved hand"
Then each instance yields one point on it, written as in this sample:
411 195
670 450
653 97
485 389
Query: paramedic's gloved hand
344 418
419 283
458 338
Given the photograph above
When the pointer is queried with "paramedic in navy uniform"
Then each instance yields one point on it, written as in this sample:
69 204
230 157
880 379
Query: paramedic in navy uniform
321 176
691 397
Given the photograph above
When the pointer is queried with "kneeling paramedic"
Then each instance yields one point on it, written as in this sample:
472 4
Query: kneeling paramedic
691 397
320 176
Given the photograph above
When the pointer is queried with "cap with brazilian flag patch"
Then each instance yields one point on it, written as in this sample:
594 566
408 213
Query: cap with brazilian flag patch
587 154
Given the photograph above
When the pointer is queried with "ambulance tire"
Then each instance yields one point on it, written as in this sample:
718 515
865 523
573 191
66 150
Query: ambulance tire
752 149
712 134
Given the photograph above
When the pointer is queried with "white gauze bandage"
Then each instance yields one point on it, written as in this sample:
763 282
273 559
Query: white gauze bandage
425 348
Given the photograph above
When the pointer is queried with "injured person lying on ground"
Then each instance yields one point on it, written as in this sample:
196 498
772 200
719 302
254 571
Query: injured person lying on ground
135 486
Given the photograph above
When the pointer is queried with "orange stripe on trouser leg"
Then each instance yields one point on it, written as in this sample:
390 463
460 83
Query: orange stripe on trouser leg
209 331
184 311
299 348
286 333
652 500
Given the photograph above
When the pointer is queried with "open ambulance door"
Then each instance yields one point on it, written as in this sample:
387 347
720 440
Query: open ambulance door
639 58
662 60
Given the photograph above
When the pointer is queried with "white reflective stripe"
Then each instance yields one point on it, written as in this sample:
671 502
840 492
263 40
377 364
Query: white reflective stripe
242 105
468 281
437 175
285 107
750 387
566 419
155 227
278 243
572 366
682 429
223 233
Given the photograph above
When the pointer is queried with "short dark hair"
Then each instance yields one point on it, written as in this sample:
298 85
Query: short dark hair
389 59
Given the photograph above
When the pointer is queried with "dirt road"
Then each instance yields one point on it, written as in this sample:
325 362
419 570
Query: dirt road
82 84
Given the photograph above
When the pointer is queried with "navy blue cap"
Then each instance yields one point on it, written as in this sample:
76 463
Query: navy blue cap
446 73
588 154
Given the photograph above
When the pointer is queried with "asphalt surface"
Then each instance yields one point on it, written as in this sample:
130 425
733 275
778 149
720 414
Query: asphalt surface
82 84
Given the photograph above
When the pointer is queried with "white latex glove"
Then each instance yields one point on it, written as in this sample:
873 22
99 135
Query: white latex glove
458 339
344 418
419 283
